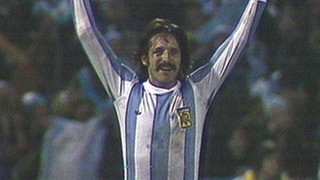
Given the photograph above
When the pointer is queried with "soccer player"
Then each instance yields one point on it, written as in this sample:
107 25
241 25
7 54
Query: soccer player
160 108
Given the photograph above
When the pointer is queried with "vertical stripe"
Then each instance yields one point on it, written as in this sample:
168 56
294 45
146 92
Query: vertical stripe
177 142
176 151
131 118
161 137
143 136
190 168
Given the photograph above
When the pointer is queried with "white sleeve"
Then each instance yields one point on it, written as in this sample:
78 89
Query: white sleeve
209 77
111 71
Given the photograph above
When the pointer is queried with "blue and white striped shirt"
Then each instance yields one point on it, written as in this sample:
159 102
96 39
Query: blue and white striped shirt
154 144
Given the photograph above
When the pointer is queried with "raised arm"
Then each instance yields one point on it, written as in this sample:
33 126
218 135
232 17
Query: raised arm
112 73
210 76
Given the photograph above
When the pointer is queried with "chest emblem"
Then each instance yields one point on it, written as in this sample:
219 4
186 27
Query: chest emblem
184 117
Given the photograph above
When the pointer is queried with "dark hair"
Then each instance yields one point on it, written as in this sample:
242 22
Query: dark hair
155 27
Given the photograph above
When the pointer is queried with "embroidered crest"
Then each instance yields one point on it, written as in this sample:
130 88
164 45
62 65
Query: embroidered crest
184 117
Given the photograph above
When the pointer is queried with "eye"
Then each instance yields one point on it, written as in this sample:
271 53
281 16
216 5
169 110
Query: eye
174 51
158 51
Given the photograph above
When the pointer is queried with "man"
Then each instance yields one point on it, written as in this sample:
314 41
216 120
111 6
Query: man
161 111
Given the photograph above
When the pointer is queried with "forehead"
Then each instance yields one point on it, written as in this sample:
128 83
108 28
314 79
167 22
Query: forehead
163 39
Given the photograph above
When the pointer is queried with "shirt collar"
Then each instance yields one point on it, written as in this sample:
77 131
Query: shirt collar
157 90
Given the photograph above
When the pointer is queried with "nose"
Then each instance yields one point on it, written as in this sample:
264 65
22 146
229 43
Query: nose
165 56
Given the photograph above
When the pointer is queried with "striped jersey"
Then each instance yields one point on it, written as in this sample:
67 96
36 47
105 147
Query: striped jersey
161 129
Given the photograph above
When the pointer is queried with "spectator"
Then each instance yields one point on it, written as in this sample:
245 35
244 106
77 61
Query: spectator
36 111
74 144
13 139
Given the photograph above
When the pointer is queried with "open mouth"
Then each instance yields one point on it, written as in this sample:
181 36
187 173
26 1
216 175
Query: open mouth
166 67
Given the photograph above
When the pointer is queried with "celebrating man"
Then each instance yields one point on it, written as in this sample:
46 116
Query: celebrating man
161 108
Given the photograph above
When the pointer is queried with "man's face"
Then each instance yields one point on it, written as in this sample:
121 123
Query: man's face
163 61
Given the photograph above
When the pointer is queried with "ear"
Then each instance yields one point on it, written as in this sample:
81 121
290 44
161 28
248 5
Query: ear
144 60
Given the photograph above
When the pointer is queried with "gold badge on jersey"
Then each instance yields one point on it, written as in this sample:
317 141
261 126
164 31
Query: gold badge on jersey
184 117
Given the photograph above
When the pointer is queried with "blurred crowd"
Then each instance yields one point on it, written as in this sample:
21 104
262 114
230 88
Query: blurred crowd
57 122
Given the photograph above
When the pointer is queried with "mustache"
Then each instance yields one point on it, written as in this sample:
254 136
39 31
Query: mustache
166 65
